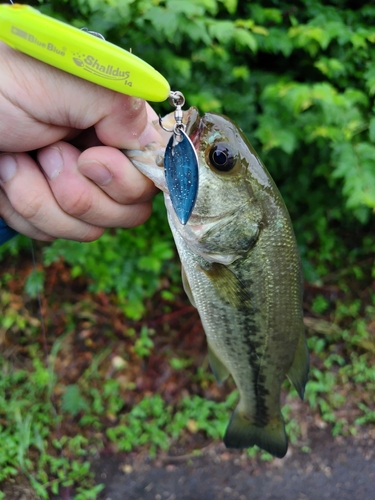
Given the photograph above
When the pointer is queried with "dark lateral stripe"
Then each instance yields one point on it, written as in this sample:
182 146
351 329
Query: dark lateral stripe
254 344
231 291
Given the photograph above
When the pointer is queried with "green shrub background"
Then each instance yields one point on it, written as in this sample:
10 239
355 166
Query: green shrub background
298 77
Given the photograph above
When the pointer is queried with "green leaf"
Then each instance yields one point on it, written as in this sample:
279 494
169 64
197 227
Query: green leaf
244 38
34 283
299 97
149 263
164 20
265 15
369 77
305 34
330 67
230 5
372 129
241 72
260 30
73 401
272 135
358 41
189 9
356 165
197 31
222 30
277 42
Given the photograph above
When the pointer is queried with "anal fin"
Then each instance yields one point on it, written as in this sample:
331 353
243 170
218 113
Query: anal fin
218 368
299 371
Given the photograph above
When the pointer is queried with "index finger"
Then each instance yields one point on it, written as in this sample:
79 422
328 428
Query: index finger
44 104
113 172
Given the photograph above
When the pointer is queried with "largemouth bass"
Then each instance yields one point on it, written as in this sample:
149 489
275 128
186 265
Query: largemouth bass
241 270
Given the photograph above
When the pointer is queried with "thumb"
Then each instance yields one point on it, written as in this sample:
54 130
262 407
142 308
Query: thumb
126 122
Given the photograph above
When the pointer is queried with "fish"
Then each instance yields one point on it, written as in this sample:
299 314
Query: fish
241 269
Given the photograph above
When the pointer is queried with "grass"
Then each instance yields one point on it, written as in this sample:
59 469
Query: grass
117 387
29 435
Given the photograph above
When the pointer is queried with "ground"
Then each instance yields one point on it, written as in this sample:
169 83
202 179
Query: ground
338 469
168 365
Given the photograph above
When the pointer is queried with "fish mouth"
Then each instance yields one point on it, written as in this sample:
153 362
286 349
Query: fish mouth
150 160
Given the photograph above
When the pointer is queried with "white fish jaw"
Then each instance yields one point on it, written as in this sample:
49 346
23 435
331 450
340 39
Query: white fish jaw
150 162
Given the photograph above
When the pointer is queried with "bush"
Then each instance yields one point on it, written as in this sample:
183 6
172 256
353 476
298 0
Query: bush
298 78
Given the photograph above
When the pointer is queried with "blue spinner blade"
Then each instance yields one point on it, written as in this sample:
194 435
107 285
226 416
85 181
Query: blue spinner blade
181 173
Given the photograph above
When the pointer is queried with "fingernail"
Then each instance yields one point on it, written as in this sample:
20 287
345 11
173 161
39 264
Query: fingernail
51 161
8 167
149 134
95 171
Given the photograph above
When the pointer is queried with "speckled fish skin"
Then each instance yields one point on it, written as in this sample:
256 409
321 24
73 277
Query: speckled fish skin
241 269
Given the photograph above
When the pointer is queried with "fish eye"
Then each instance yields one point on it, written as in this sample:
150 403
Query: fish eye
222 157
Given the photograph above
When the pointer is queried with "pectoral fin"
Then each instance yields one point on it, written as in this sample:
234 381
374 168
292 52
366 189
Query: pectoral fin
218 368
299 371
186 285
228 287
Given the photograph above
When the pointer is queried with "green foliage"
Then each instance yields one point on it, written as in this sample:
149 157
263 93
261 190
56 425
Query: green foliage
300 80
34 283
144 344
347 375
27 420
180 363
300 83
14 317
156 424
129 262
320 304
72 401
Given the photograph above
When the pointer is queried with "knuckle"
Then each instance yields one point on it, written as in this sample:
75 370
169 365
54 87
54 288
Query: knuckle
31 207
78 206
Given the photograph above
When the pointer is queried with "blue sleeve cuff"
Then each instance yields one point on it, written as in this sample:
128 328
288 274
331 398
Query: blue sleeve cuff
6 232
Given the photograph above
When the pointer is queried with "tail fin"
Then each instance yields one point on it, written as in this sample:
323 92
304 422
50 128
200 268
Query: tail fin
242 433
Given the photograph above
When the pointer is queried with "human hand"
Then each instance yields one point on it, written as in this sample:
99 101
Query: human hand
75 182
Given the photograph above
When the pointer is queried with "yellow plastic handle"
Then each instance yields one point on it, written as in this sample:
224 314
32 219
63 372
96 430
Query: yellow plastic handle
79 53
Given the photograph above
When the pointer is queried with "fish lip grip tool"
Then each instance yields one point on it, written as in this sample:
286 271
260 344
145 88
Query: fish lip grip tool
78 52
